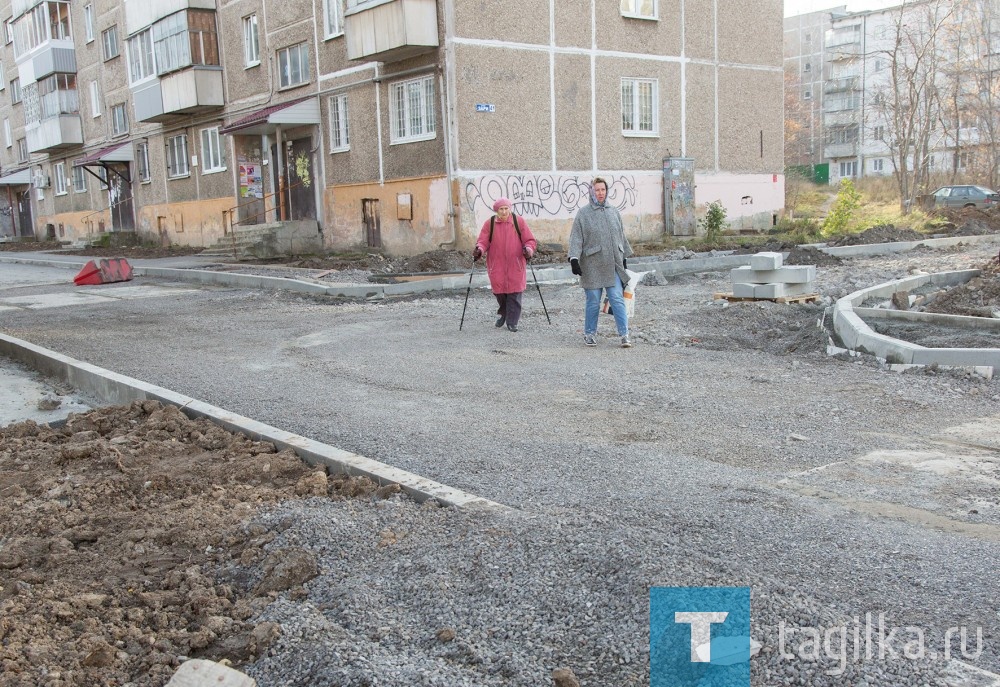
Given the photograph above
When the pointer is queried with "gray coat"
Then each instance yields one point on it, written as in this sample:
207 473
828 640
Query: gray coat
598 242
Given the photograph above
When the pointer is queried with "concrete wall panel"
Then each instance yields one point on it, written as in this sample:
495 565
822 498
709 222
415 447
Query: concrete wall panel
361 161
750 32
572 23
626 34
751 107
517 21
574 144
699 29
700 119
517 135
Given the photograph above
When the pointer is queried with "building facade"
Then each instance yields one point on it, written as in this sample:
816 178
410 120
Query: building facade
388 124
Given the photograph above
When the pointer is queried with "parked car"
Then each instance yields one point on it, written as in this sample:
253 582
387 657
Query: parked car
965 197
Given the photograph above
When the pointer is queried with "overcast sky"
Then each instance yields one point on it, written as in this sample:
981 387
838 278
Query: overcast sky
793 7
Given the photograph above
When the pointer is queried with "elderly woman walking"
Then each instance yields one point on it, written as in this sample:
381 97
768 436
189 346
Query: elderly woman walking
598 252
508 244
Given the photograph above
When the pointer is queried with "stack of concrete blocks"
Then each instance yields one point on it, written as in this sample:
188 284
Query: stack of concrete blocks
766 278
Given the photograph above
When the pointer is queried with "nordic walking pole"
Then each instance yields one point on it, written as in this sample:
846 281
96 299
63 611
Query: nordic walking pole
467 290
535 277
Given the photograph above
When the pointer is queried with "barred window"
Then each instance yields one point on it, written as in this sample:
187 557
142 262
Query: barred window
639 111
411 110
340 136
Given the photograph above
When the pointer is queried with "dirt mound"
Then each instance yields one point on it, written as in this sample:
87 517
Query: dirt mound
112 528
979 297
880 233
29 246
969 221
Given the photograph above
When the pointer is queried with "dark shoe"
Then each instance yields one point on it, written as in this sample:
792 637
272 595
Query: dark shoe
590 339
512 327
626 342
500 321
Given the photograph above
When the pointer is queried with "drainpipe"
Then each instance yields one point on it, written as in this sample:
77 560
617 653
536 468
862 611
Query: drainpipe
14 212
446 119
280 169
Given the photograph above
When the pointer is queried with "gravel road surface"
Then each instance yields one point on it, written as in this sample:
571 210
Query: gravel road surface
725 448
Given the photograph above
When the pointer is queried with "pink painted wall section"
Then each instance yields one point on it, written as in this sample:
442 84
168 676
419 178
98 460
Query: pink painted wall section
549 202
195 223
421 225
74 226
751 200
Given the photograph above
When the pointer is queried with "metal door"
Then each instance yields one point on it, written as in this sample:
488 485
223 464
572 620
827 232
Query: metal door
300 197
25 225
372 222
120 197
678 196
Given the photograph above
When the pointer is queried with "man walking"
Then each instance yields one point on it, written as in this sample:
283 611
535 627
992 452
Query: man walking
598 251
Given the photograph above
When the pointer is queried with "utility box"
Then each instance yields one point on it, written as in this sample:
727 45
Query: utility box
678 196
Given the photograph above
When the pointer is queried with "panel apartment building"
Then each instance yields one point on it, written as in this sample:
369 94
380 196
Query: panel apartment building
390 124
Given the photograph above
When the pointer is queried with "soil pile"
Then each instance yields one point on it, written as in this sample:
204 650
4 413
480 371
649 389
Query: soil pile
112 529
969 221
979 297
880 233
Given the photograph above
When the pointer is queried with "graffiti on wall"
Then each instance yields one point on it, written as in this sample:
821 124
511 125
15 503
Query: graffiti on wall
546 195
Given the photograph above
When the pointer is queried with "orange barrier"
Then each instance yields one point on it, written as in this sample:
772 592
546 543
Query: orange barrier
104 272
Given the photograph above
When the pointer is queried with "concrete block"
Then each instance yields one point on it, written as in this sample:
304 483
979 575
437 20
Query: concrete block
792 274
201 673
741 290
766 261
781 290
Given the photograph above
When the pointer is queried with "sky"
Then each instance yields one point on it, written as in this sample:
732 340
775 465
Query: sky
793 7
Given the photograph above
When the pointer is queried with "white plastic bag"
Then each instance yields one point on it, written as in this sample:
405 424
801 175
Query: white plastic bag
629 293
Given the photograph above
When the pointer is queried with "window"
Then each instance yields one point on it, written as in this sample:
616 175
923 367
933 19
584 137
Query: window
964 160
22 150
109 38
8 32
15 91
640 9
3 81
178 164
140 56
59 178
340 135
251 41
50 97
411 110
95 99
102 174
879 133
878 165
142 162
119 120
849 169
88 22
211 151
807 67
639 107
184 39
333 15
6 132
807 94
293 65
879 65
79 180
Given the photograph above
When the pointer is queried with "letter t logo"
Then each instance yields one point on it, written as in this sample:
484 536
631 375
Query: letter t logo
701 631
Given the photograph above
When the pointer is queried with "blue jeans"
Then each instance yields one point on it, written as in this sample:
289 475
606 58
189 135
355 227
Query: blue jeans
617 308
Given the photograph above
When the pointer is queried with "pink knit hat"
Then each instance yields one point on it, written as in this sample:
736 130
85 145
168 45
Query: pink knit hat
500 202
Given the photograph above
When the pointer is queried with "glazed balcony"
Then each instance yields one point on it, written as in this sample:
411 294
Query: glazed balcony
390 30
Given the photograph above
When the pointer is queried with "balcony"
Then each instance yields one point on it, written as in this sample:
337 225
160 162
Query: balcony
843 84
140 14
55 133
390 30
189 91
833 150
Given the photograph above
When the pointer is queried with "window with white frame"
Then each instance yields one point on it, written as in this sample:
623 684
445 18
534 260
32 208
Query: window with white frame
102 174
22 150
879 65
59 178
411 110
88 21
95 99
878 165
639 115
79 180
293 65
251 41
140 57
178 164
15 91
333 17
340 135
142 162
964 160
6 132
3 80
119 120
109 40
849 169
211 151
640 9
879 133
8 32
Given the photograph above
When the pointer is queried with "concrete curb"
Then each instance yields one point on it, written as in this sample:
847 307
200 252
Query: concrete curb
896 246
113 388
858 336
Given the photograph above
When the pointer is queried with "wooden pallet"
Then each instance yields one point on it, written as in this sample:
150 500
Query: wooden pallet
804 298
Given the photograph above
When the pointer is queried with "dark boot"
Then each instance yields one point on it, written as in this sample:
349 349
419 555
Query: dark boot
500 321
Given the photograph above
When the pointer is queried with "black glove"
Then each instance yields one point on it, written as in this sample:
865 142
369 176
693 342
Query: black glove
476 254
624 263
575 266
527 253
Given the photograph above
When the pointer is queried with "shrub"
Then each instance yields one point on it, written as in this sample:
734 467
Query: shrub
847 202
713 222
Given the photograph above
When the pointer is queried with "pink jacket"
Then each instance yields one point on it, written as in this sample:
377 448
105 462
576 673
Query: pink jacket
504 258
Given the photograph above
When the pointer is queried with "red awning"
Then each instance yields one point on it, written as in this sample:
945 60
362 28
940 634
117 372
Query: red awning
293 113
119 152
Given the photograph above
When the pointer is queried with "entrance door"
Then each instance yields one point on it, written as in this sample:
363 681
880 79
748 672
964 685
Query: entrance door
120 198
300 198
25 225
372 222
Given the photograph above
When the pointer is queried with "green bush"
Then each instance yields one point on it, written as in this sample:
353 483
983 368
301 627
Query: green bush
847 203
713 222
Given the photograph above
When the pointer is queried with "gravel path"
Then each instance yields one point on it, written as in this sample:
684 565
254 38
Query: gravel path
726 448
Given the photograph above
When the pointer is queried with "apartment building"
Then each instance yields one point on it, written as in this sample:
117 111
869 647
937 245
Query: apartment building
389 124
